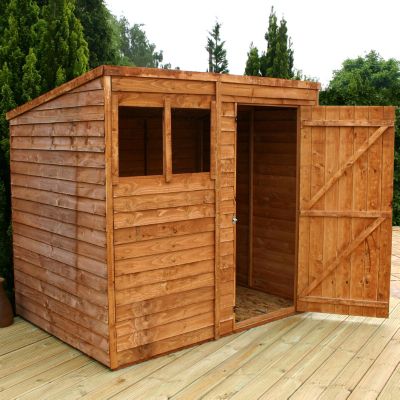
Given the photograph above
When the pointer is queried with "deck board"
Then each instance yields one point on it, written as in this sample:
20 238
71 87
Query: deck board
306 356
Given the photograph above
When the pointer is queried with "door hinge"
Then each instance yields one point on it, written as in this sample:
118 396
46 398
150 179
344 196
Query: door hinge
234 220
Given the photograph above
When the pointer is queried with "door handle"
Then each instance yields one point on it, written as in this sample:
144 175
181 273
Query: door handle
234 220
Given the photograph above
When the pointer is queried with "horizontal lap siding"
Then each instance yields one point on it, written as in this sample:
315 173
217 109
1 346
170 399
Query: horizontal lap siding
58 198
164 264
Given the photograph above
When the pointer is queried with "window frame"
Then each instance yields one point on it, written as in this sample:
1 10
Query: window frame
166 102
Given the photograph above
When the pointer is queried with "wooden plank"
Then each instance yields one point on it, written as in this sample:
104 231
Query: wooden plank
66 87
164 346
155 334
148 217
72 231
78 276
359 202
82 174
164 245
115 137
168 229
237 89
61 157
108 115
163 274
64 203
63 334
85 249
75 260
81 189
26 295
164 200
84 306
160 85
349 122
345 202
87 113
87 144
331 200
361 150
345 214
386 200
133 99
129 296
129 327
75 99
213 141
264 101
60 129
167 141
162 304
373 203
148 263
305 154
330 266
347 302
69 216
133 186
317 226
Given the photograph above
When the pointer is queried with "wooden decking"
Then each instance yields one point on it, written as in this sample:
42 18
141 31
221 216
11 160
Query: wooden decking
306 356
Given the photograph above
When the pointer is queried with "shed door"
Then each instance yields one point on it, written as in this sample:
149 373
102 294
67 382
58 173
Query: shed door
345 208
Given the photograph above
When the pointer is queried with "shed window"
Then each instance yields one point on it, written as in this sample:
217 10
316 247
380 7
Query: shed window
190 140
140 141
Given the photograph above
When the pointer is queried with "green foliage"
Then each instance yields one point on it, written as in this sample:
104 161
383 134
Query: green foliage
278 60
42 45
97 23
253 62
7 102
135 48
369 81
63 51
217 61
30 78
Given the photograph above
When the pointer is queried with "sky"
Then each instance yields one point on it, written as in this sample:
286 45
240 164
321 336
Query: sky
324 33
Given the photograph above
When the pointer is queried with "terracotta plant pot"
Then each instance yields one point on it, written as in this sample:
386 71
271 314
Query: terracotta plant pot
6 312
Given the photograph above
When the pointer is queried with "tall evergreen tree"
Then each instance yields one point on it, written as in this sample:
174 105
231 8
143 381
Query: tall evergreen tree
97 26
278 60
253 62
30 78
64 53
217 61
19 35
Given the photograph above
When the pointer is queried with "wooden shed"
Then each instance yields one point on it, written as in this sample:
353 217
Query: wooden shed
155 209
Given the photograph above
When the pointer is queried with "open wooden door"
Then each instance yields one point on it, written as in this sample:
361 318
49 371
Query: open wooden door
345 209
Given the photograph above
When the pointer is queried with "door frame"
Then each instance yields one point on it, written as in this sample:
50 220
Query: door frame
287 311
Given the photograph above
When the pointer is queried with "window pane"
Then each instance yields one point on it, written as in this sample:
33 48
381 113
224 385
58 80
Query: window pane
190 140
140 141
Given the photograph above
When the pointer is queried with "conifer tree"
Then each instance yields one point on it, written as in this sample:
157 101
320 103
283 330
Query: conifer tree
30 78
217 61
253 62
97 26
18 35
278 60
7 102
64 52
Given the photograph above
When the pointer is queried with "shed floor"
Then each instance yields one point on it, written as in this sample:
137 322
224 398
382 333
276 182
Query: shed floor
251 303
306 356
